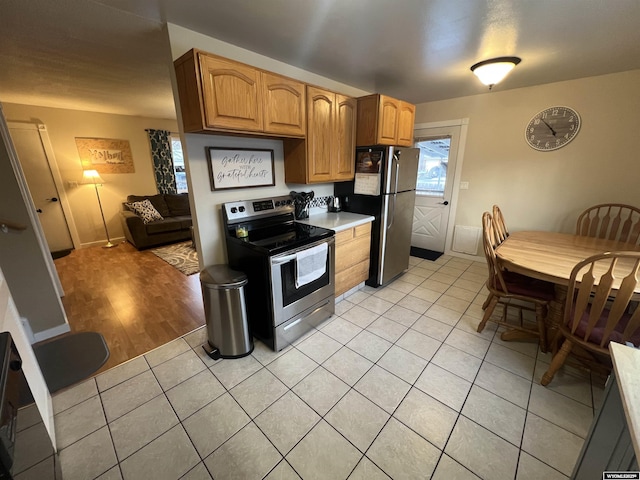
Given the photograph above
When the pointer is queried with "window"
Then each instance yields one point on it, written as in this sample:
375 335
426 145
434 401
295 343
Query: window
178 164
432 166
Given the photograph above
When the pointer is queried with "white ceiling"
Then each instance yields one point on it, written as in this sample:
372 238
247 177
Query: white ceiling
111 55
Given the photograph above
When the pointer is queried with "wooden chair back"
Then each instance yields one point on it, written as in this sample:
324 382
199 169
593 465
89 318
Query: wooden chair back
490 243
601 287
499 225
613 221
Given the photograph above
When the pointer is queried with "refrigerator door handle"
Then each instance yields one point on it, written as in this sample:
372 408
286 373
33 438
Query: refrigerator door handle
392 211
397 160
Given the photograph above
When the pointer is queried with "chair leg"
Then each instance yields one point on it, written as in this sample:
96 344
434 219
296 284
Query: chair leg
542 329
487 313
487 301
557 362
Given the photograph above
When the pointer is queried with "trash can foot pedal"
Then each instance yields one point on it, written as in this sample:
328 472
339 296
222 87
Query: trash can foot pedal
213 352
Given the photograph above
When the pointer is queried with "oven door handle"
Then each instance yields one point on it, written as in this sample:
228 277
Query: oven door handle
283 260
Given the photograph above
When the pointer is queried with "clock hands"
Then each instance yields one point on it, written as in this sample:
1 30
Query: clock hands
553 132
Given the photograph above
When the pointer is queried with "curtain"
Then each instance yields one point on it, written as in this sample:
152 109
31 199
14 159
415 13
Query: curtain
160 141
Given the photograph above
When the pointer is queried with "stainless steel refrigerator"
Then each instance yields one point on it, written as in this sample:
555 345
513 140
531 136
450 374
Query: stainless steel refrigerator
384 186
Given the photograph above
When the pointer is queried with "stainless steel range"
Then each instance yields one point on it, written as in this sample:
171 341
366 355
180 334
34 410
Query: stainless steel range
290 267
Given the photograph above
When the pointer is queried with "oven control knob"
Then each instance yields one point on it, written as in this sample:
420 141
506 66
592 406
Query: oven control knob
234 209
278 203
241 209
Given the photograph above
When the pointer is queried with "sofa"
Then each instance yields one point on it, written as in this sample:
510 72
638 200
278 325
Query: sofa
175 225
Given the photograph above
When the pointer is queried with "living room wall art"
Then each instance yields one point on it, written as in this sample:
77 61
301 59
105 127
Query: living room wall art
106 155
240 168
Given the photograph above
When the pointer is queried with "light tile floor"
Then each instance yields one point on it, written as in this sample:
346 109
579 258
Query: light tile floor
398 384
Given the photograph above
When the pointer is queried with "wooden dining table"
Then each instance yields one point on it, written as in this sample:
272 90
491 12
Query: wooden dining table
551 256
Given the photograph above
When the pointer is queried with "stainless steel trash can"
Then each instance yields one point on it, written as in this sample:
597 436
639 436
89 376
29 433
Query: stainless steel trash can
225 312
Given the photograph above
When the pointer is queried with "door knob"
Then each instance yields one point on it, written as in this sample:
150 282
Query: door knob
39 210
443 203
53 199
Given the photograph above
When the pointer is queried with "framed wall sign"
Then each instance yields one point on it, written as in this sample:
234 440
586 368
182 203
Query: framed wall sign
106 155
240 168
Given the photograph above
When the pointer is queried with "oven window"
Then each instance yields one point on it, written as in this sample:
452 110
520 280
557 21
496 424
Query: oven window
289 291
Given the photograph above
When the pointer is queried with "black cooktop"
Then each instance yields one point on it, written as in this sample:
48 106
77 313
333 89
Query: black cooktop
277 239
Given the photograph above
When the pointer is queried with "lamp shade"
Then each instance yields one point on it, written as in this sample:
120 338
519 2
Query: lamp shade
493 71
91 177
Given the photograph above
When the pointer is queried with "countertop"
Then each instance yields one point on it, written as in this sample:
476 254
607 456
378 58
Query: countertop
626 362
337 221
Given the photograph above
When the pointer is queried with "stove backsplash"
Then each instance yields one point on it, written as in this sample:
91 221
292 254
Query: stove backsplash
320 201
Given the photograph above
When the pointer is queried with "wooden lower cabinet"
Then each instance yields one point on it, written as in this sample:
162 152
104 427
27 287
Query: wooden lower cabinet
352 257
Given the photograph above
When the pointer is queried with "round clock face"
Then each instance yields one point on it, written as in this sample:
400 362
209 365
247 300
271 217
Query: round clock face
552 128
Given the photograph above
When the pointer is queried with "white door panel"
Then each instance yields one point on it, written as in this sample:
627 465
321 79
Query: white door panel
437 164
427 223
37 171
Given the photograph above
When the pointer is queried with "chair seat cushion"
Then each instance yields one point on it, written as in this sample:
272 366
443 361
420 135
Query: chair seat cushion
597 333
518 284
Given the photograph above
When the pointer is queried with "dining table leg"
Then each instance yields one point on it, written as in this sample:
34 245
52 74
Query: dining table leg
555 314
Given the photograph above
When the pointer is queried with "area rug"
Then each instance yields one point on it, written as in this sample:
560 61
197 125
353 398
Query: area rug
426 254
179 255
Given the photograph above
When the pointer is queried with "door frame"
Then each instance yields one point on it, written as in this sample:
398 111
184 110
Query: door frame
55 174
463 123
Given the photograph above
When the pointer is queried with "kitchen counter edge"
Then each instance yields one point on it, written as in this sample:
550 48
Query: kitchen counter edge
337 221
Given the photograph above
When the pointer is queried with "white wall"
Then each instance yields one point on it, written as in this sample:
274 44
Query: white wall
10 322
63 127
206 203
27 265
547 190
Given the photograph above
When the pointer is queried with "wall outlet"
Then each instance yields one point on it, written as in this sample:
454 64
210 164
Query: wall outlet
464 185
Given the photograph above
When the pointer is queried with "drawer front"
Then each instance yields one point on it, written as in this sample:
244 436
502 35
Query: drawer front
353 252
363 229
344 236
351 277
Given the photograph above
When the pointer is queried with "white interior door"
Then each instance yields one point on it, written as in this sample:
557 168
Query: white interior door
28 142
437 164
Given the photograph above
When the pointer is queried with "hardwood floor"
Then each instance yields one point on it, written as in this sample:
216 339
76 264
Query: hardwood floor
134 299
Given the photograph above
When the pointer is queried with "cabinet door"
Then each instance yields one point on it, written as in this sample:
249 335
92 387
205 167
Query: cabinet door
231 94
388 117
320 133
344 163
284 105
405 124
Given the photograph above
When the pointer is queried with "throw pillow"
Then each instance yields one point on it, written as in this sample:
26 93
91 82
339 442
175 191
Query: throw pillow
157 201
145 210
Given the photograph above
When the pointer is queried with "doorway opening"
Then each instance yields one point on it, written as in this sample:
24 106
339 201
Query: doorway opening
434 189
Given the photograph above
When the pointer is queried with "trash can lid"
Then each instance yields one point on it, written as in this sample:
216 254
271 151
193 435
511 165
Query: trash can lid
222 277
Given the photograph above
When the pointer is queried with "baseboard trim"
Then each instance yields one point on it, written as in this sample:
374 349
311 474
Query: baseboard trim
51 332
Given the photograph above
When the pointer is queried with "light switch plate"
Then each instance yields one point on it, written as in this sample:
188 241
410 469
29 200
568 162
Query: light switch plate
464 185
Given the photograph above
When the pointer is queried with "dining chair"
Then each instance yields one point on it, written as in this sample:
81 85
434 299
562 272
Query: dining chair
513 289
499 225
501 233
613 221
600 290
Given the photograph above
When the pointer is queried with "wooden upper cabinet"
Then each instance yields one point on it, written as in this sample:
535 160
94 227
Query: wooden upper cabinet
222 95
384 120
284 105
388 116
406 122
344 164
231 94
327 155
321 106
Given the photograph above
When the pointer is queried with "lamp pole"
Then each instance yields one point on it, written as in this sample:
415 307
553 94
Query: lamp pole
104 222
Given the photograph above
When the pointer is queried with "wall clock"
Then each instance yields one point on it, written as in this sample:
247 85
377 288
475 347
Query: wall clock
552 128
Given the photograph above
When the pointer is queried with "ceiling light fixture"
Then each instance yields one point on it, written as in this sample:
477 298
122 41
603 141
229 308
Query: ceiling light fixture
494 70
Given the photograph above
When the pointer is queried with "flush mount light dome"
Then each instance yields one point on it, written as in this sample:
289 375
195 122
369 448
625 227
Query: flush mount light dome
494 70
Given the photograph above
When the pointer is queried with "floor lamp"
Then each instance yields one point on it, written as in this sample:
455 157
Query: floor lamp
93 177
